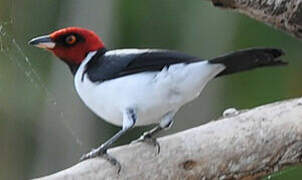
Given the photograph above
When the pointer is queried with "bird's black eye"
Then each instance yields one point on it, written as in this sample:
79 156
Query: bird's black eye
71 39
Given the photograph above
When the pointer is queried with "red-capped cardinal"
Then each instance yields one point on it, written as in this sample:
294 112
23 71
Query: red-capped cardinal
135 87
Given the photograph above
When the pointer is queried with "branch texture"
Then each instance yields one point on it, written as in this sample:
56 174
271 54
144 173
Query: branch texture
285 15
242 145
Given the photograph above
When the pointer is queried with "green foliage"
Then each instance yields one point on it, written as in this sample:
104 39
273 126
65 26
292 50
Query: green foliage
293 173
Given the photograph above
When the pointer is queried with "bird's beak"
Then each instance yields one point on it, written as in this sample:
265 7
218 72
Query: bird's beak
42 42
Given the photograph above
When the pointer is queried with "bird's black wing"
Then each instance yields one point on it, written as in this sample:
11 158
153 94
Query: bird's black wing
118 63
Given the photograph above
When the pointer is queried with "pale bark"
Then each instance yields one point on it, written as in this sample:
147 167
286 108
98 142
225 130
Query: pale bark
241 145
285 15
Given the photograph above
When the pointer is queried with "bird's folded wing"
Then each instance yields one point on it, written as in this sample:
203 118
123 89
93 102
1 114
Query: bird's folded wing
118 63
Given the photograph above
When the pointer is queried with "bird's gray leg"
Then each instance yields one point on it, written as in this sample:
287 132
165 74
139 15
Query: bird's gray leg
129 119
148 137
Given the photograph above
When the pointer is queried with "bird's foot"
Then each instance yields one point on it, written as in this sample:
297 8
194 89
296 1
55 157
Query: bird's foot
102 152
148 139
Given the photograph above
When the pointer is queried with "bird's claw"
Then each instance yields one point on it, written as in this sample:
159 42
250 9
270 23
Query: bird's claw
100 152
93 153
146 138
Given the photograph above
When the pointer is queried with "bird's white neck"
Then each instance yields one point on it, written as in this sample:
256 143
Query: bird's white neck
79 74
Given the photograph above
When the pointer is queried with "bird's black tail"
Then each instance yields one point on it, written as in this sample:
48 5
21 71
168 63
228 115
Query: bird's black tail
249 59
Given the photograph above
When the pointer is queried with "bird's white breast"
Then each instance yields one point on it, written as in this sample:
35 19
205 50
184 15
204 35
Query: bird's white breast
152 94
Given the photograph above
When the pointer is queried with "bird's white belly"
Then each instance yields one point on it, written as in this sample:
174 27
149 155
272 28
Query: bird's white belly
151 94
109 99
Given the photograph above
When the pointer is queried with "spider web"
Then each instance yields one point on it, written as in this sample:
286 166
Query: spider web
12 51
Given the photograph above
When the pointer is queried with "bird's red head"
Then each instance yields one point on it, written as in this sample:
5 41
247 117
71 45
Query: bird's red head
70 44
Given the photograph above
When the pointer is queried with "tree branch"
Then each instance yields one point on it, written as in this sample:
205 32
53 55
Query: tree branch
245 145
285 15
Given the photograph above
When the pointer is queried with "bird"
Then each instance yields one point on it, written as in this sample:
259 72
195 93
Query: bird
138 87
